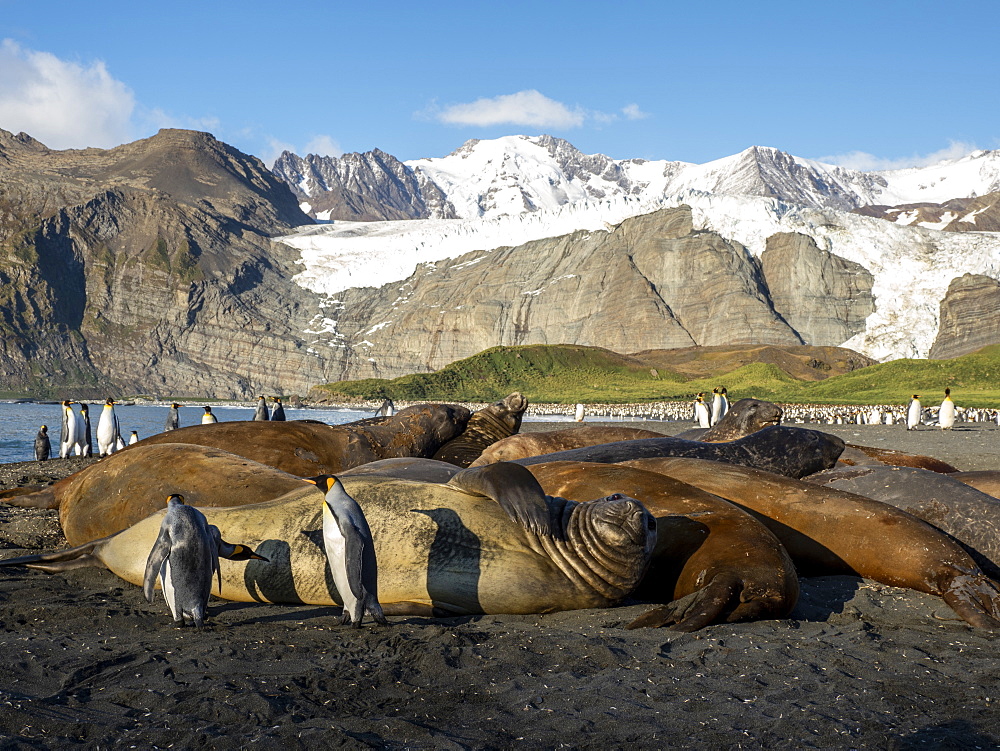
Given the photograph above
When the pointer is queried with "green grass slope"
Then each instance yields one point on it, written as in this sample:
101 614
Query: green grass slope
568 373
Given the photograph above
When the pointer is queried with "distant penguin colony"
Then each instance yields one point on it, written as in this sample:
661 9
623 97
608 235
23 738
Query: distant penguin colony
173 418
350 552
208 418
42 446
262 412
184 559
278 413
108 432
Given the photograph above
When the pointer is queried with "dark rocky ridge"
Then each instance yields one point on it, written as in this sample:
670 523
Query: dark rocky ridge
149 268
652 283
970 317
976 214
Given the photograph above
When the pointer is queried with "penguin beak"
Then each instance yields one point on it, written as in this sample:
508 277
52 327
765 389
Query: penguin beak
243 553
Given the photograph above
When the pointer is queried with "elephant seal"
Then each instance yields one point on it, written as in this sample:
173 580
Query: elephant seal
871 456
713 562
986 481
441 550
968 515
793 452
549 441
829 531
743 418
307 448
116 492
485 427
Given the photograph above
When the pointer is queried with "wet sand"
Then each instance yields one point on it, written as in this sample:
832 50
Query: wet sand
88 662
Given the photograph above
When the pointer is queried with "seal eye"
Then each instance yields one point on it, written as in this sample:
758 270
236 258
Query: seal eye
615 497
651 524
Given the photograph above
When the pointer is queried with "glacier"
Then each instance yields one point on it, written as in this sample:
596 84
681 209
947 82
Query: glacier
512 190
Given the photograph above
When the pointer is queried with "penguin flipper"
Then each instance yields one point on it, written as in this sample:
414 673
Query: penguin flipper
154 563
514 488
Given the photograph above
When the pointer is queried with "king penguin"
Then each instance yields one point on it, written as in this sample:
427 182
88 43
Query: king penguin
701 413
133 437
108 432
720 404
278 413
350 552
208 418
67 433
173 418
42 446
262 412
84 439
946 415
913 412
185 557
388 409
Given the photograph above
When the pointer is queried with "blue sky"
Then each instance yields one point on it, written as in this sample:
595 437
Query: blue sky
868 84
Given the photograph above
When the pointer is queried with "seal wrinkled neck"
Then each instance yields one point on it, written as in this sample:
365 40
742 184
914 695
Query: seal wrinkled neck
607 546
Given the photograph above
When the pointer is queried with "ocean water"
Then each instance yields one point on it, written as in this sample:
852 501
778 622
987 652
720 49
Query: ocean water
19 422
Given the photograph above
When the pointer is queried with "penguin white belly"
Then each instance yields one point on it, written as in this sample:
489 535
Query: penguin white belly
336 554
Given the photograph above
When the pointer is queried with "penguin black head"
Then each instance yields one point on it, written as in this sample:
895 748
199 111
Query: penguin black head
323 482
947 392
110 402
84 409
916 396
175 405
208 410
175 497
277 399
43 429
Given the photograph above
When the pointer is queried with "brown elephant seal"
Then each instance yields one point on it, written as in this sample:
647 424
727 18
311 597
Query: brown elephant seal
870 455
307 448
549 441
792 452
961 511
712 563
829 531
441 550
486 426
127 486
743 418
986 481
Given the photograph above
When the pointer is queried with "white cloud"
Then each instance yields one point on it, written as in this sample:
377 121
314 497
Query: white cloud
860 160
632 112
530 108
62 104
324 146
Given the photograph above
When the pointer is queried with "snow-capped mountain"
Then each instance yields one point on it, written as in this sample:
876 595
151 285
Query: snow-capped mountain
518 189
517 174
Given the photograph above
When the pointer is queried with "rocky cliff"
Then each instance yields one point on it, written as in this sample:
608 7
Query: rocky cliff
973 214
970 316
652 282
149 268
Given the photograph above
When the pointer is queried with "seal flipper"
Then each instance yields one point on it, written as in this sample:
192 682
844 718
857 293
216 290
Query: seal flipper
976 598
82 556
696 610
514 488
30 496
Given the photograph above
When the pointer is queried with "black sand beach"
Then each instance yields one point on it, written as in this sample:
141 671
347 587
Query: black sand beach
88 663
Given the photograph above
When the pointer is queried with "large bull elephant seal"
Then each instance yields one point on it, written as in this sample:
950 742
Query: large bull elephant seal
829 531
713 562
792 452
486 426
968 515
127 486
743 418
549 441
307 448
441 550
